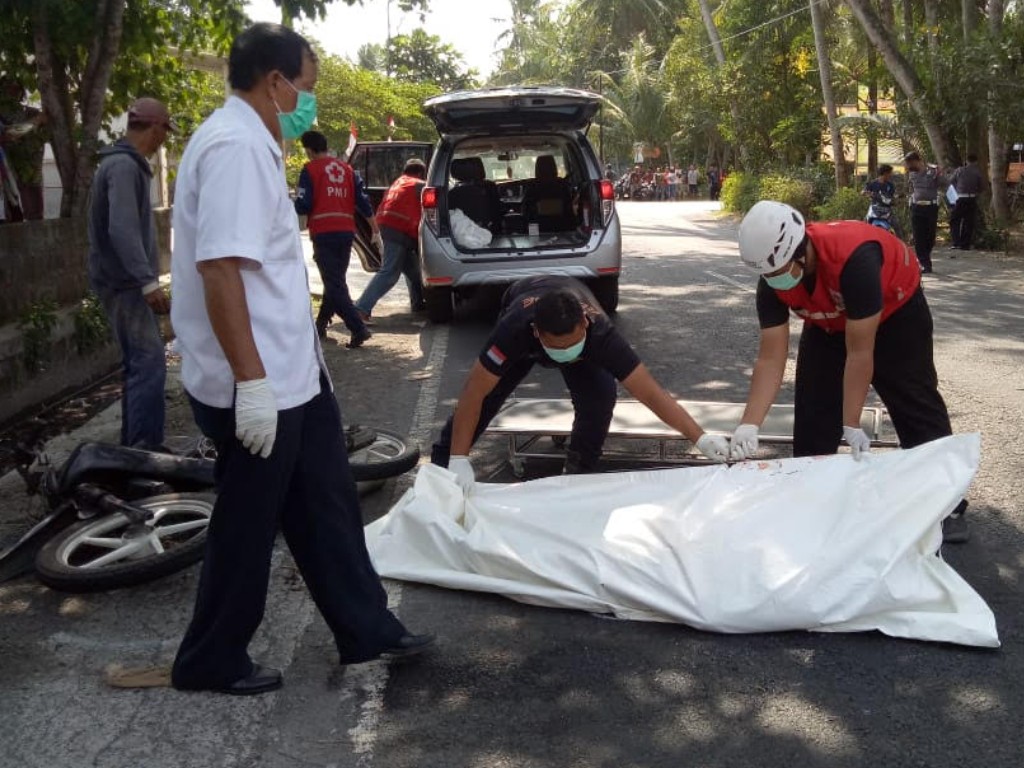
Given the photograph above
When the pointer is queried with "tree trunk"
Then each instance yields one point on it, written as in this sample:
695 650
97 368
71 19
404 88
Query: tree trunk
825 73
716 45
908 22
975 141
906 78
872 110
76 163
996 141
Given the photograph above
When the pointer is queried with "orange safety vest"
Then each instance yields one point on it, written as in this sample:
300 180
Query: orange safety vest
401 207
834 243
334 196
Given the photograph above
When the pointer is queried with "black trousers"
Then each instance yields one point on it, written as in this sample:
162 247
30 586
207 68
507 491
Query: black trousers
904 379
592 390
305 488
962 221
332 252
924 220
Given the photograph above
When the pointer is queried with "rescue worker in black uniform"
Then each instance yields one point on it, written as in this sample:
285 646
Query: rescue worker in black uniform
556 322
866 323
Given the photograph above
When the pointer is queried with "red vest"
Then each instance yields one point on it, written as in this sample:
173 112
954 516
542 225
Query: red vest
401 207
834 242
334 196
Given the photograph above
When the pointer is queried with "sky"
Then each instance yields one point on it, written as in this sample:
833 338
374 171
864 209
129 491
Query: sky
471 27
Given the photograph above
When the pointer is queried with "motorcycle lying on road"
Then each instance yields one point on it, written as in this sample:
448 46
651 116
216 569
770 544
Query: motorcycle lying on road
119 516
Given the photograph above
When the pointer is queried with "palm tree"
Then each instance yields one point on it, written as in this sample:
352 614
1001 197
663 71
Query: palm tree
825 73
639 97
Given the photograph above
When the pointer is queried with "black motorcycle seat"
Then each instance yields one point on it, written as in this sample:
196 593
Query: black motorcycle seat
103 463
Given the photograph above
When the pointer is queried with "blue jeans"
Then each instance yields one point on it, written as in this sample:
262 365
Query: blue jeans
142 360
332 252
399 258
304 489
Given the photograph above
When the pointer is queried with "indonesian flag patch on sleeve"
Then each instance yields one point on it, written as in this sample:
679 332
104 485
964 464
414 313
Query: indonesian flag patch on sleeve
495 355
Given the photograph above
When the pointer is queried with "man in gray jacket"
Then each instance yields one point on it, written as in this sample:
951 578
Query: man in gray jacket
124 269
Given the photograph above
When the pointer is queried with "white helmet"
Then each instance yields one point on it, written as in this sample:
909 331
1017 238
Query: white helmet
770 233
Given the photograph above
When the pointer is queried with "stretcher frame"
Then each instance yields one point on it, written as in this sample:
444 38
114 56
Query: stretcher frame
525 422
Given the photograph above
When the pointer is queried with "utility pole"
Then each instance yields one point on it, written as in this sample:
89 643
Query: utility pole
387 44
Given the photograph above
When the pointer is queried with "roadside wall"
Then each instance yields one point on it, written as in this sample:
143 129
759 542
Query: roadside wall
45 261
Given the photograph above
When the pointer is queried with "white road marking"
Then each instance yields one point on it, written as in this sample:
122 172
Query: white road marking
734 283
371 679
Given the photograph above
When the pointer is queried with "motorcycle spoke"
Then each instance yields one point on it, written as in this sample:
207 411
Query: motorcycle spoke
102 542
375 450
172 530
154 542
122 553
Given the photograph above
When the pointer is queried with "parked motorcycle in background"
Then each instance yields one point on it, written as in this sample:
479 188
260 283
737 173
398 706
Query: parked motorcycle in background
880 214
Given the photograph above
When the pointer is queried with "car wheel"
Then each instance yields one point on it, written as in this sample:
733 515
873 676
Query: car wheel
439 304
606 291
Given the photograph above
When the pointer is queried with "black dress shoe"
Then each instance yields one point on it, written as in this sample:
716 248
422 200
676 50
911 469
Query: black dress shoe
408 645
260 680
358 339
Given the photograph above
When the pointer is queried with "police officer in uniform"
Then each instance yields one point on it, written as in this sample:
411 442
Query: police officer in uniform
866 323
968 182
329 193
556 322
924 181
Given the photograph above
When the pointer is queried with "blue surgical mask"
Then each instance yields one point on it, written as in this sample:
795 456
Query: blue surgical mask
300 119
568 354
784 282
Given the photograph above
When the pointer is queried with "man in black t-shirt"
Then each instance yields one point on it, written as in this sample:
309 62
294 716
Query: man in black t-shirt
556 322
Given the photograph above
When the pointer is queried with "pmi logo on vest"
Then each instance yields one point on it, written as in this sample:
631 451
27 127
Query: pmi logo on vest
335 173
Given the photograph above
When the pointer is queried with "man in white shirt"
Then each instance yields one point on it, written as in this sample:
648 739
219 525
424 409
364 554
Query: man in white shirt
254 372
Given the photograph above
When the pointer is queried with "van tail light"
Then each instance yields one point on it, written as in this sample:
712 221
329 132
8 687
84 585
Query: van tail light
607 202
429 199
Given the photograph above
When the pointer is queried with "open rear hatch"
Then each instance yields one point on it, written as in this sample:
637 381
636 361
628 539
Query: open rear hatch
516 109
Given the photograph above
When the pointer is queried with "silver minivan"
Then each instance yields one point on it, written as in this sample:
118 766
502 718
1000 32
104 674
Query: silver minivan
516 164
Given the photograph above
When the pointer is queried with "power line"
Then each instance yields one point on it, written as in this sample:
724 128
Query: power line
764 24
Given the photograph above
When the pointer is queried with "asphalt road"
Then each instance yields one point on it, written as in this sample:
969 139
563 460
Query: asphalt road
525 687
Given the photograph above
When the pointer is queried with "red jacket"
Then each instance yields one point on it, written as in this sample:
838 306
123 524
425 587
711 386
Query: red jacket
333 196
834 243
401 207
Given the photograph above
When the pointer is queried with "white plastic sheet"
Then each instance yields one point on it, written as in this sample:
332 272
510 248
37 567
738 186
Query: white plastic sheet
466 231
826 544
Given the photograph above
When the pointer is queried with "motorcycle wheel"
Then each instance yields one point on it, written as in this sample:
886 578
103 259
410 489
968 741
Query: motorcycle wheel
388 455
109 552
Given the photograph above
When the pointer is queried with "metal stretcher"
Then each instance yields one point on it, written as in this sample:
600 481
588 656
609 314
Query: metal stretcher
526 422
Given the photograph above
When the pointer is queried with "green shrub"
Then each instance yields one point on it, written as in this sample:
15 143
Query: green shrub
821 177
92 329
988 234
739 192
845 204
36 325
786 189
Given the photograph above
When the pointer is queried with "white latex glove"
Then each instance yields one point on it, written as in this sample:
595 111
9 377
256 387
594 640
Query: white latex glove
744 442
378 242
858 440
463 471
714 447
255 416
